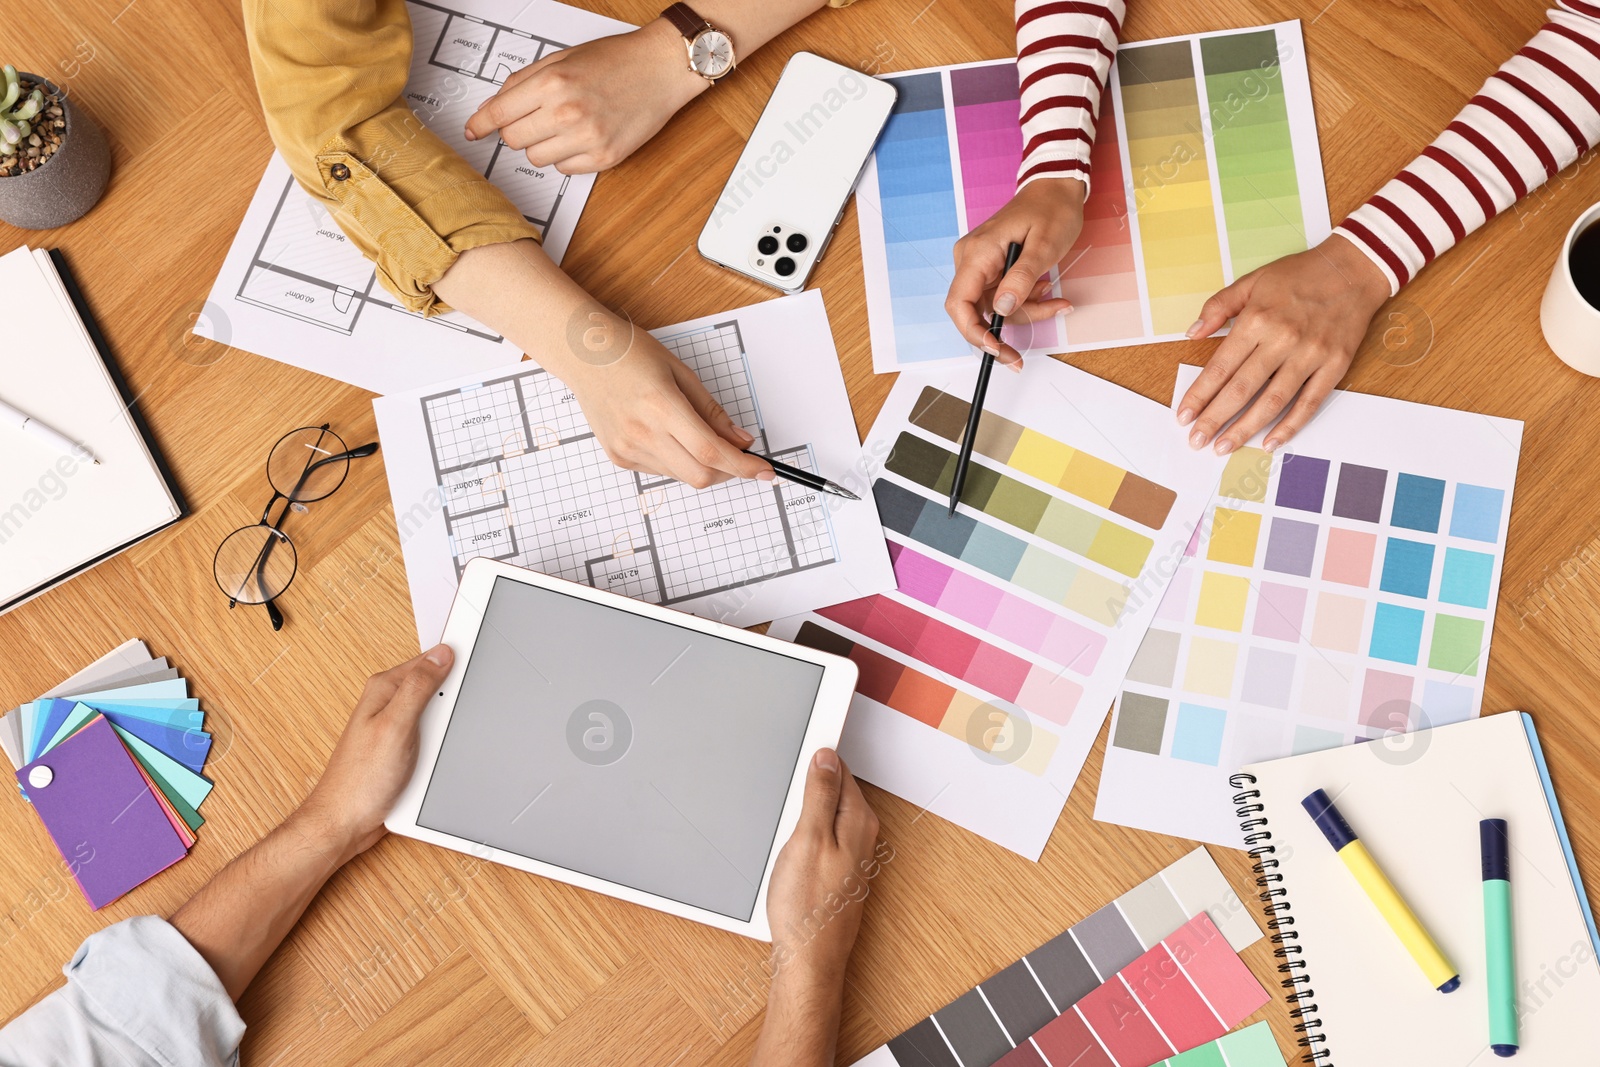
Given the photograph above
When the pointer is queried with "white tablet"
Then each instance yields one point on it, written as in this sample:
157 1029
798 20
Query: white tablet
620 746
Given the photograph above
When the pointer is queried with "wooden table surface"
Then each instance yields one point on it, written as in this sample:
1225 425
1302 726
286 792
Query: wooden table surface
413 954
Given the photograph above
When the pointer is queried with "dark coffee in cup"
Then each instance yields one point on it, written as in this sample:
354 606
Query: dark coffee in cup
1585 263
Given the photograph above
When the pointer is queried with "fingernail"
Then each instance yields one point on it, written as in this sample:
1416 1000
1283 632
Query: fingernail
469 135
1197 440
765 476
827 760
1272 445
1194 331
1224 446
992 349
439 655
1069 309
1185 416
1016 368
1005 303
744 435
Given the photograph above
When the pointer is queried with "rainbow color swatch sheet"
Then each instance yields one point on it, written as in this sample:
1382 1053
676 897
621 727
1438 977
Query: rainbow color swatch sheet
987 674
1205 167
1339 590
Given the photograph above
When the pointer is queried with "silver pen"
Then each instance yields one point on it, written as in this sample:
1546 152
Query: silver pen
10 416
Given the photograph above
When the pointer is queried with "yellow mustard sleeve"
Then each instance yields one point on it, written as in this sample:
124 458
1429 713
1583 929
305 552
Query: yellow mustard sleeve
331 78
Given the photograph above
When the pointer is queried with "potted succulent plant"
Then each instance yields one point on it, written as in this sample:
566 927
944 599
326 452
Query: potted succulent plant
54 162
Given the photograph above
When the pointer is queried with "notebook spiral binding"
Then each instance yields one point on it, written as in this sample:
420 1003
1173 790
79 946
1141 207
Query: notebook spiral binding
1296 982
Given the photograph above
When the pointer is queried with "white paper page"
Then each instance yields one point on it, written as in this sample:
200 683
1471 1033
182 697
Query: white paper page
1415 802
1217 125
60 511
294 289
987 674
1301 623
505 465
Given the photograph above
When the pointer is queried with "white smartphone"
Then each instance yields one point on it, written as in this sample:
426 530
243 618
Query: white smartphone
776 215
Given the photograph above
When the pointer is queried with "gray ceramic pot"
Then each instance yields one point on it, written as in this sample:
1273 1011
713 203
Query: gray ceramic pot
69 184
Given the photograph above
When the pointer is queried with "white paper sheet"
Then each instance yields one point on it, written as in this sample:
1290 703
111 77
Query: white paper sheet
987 675
1307 617
294 289
504 465
1206 165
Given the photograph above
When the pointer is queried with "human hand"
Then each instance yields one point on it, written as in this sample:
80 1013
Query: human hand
650 413
1299 322
375 755
588 107
820 880
1045 217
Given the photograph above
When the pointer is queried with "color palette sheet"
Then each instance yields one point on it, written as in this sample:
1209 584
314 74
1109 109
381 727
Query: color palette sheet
1120 960
1205 166
987 672
1337 591
111 762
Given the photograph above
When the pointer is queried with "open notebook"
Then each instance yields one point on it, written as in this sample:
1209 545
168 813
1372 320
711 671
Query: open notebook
58 514
1416 801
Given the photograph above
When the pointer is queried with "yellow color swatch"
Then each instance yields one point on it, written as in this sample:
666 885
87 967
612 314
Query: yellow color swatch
1246 475
1095 597
1210 666
1121 549
1000 735
1233 537
1222 601
1043 457
1093 479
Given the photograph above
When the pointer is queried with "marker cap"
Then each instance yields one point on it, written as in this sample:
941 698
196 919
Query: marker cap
1320 807
1496 850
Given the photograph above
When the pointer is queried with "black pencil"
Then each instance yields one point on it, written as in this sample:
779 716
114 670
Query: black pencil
964 458
805 478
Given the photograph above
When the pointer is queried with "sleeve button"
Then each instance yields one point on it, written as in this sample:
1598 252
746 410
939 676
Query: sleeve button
340 172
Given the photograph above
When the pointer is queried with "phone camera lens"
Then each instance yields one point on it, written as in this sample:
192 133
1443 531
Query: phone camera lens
797 243
784 266
768 245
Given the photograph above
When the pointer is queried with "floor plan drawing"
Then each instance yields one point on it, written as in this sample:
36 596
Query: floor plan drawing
502 464
291 261
523 479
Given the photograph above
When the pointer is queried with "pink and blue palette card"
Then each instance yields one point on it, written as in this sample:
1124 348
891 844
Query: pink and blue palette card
1339 590
112 761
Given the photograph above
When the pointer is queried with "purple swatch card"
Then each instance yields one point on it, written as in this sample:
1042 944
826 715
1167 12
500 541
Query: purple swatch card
108 826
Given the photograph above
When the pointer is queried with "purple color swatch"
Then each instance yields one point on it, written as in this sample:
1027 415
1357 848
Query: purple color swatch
1360 492
1303 483
109 827
1280 611
1291 546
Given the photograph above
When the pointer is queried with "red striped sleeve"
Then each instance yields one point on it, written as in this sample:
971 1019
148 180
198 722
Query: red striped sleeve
1064 54
1534 116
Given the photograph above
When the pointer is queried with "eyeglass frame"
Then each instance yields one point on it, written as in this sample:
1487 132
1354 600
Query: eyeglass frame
274 613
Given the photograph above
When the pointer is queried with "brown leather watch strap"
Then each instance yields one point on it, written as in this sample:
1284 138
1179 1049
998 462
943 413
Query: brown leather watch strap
686 20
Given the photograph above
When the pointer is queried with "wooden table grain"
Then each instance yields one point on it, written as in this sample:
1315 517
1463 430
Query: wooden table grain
414 954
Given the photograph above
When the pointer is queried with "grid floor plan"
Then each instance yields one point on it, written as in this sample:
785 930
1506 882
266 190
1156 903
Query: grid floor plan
524 480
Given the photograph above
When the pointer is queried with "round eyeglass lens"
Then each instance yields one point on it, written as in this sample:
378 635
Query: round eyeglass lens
301 466
255 564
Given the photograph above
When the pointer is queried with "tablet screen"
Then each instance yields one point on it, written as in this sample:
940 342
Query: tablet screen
632 750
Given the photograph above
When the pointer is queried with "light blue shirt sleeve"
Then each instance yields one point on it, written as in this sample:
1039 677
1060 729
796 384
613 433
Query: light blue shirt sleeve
137 995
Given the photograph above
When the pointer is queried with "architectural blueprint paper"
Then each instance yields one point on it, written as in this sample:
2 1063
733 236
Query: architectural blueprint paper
503 464
293 288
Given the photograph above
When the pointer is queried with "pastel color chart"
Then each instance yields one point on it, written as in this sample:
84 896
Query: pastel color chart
1338 591
987 672
1117 962
1205 165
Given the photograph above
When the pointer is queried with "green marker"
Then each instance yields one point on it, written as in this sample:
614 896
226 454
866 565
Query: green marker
1499 964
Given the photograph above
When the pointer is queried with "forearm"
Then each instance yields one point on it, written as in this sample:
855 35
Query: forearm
802 1023
517 290
1064 55
1533 117
240 917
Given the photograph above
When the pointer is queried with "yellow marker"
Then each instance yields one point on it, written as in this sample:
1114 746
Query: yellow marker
1440 974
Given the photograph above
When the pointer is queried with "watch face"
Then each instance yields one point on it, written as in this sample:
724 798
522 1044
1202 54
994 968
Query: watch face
711 55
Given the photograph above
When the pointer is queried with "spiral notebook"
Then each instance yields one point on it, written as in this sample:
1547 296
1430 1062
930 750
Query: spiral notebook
1416 800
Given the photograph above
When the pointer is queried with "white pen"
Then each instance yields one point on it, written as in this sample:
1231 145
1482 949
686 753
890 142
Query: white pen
10 416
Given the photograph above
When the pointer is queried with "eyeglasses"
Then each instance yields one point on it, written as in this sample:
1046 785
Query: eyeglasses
255 564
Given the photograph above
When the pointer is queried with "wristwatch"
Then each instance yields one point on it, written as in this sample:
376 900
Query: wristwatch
710 50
